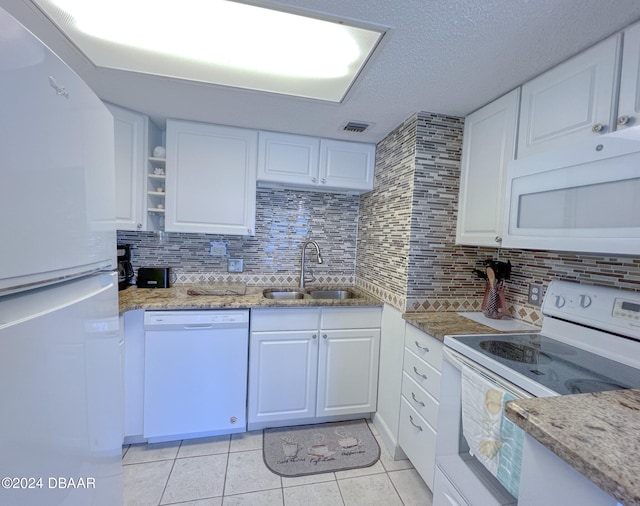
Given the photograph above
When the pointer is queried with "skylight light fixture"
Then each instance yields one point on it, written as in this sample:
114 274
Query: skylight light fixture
221 42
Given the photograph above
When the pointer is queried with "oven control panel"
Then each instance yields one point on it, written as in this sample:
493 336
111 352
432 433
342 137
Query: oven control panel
600 307
623 308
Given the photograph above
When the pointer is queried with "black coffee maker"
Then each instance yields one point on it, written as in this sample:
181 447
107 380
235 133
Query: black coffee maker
125 269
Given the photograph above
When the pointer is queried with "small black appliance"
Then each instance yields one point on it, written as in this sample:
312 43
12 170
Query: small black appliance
125 269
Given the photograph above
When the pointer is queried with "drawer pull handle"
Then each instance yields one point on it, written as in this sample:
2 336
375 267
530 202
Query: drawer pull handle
414 423
423 376
416 400
422 348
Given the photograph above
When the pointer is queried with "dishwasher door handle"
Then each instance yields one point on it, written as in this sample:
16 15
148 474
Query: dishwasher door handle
197 326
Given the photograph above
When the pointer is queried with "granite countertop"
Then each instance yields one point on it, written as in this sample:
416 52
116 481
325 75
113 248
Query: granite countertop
598 434
233 297
442 323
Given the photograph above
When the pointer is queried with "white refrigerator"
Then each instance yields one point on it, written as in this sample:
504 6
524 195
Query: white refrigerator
60 343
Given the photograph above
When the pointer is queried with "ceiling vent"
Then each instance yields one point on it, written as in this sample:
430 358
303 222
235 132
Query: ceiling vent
354 127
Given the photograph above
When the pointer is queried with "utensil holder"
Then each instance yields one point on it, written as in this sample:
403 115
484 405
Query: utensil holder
493 303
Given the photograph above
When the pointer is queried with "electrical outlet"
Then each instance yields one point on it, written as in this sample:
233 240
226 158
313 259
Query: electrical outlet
235 265
535 294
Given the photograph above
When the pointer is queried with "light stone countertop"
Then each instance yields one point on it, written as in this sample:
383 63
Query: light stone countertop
442 323
598 434
177 297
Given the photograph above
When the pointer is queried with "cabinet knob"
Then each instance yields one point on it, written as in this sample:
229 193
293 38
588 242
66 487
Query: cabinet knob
314 180
623 120
597 128
314 336
139 225
324 336
498 239
323 180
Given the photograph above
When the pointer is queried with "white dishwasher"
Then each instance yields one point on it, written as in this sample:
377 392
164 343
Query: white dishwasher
195 373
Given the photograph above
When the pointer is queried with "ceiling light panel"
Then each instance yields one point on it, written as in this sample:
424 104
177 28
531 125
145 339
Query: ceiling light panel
221 42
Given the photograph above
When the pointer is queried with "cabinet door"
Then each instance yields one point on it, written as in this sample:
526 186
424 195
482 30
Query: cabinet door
629 104
348 371
487 148
288 159
130 158
211 179
567 102
347 165
282 376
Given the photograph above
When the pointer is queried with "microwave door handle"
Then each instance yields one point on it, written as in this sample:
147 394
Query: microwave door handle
460 362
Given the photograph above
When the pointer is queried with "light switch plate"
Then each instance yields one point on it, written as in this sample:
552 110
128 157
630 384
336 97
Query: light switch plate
235 265
217 248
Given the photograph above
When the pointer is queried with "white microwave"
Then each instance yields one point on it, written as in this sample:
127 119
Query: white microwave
585 197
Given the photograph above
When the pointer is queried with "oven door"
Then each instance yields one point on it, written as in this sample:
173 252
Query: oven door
583 198
459 474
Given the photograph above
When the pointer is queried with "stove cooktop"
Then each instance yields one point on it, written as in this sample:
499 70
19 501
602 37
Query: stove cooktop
558 366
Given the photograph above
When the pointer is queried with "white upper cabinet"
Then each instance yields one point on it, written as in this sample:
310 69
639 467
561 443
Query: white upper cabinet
629 102
211 178
571 101
287 158
347 165
312 163
130 160
488 147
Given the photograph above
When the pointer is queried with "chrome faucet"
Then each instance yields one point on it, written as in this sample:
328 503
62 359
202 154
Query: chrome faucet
304 247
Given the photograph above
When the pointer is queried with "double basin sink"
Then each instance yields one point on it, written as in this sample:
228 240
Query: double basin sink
311 293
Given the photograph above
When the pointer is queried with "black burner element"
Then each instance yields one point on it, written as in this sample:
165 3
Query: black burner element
516 352
583 386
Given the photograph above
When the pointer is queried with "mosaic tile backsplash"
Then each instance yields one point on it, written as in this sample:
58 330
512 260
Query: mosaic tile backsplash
284 220
407 254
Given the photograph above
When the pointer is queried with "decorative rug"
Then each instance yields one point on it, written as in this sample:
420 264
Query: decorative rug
320 448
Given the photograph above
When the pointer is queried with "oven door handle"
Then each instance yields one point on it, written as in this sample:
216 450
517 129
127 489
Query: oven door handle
459 361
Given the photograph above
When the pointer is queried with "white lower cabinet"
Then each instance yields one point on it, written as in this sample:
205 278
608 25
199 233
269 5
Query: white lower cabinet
420 401
312 364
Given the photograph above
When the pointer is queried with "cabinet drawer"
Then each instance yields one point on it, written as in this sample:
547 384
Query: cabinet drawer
351 318
424 346
418 440
422 373
421 401
284 319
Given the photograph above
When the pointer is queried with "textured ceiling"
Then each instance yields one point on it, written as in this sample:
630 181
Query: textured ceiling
443 56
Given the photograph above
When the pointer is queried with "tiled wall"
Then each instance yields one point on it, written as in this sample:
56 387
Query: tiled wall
415 200
384 226
284 219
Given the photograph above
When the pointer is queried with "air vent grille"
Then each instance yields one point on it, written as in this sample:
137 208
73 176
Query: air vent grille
352 126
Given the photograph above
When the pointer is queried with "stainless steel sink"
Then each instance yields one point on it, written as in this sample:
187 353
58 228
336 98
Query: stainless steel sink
332 294
283 294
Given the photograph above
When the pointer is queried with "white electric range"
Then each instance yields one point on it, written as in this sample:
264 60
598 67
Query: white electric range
589 342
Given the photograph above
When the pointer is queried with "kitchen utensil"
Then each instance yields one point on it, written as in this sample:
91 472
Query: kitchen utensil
493 304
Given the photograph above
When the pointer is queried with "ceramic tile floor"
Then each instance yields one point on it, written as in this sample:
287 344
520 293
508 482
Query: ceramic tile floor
229 471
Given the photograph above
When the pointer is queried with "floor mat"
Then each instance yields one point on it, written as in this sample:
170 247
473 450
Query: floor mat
321 448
